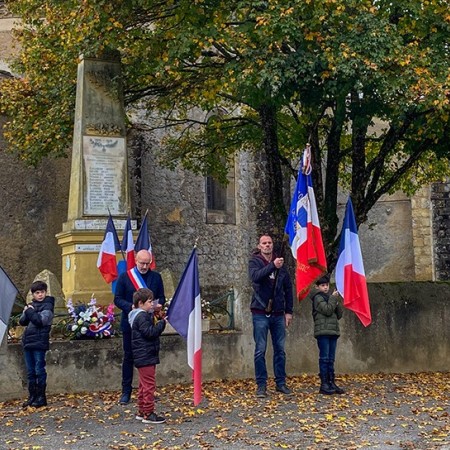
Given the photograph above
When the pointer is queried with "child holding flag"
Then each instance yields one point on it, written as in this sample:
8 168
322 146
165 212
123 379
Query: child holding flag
327 311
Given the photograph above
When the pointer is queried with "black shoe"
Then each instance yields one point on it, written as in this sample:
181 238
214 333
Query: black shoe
153 418
284 390
40 400
31 395
125 399
261 392
331 378
337 389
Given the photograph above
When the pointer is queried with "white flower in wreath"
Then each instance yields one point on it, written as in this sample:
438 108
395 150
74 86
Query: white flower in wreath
83 330
86 315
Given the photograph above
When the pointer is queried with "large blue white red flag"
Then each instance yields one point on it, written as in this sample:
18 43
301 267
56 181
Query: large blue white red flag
128 244
185 315
303 228
350 276
8 293
106 261
143 241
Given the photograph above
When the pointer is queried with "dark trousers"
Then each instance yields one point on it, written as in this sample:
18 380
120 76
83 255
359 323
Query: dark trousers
327 352
127 363
35 362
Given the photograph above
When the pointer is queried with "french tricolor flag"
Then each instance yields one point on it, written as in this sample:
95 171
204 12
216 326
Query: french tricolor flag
350 276
128 244
106 261
185 315
143 241
303 228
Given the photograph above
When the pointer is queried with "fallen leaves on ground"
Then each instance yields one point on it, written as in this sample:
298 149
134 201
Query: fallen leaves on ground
397 411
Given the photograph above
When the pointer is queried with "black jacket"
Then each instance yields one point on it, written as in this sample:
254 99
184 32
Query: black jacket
38 321
145 337
262 274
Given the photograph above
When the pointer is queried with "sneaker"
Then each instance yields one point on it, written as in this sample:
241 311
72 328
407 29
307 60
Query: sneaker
140 416
125 399
284 390
153 418
261 392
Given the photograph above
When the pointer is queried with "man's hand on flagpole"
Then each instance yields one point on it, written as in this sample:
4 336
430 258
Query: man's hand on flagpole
288 319
278 262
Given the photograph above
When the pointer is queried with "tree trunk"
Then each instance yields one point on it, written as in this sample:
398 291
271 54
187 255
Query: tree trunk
272 215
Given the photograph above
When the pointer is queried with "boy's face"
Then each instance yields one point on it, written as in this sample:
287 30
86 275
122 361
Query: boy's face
324 287
39 295
147 305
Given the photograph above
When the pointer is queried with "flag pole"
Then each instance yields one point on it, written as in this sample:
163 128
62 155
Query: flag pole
121 251
12 282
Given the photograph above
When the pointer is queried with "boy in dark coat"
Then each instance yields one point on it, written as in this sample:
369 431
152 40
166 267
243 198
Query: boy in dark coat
145 332
37 317
327 311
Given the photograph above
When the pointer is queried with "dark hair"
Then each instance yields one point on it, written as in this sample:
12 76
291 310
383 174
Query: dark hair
323 280
38 286
142 295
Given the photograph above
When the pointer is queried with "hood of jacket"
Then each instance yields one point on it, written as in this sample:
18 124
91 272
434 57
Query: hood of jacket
133 314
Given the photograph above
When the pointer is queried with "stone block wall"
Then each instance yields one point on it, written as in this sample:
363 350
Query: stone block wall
440 199
409 333
422 219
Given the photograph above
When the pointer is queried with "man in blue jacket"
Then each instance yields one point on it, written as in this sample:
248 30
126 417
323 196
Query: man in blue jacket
127 284
271 307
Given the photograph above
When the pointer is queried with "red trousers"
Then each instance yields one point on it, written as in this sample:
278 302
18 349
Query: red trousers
146 392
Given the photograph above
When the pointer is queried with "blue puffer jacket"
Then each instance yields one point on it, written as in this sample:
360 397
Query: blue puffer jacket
145 337
38 321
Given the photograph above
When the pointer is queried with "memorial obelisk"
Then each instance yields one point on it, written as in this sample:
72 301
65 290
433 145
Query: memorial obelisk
99 177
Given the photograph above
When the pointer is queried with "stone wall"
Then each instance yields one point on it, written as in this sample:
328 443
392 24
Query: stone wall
422 221
440 199
409 333
34 206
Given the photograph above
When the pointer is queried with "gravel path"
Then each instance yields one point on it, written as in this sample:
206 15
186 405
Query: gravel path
378 412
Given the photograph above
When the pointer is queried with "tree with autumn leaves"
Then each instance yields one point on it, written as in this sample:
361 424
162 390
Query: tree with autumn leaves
366 83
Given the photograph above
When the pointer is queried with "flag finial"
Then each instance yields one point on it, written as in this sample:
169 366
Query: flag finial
306 161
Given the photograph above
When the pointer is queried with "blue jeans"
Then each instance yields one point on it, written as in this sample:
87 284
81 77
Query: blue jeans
35 362
127 363
277 327
327 352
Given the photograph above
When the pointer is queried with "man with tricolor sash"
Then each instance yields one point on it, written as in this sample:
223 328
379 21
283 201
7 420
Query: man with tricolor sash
128 283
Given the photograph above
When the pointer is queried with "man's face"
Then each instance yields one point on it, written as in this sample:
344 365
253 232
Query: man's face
266 245
143 263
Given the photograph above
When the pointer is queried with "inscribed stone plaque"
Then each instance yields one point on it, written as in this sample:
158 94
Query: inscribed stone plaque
105 172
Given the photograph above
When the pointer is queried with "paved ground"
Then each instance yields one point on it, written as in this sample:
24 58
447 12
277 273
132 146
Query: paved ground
395 412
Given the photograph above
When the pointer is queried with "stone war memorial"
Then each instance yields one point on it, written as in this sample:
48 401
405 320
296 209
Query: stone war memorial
99 177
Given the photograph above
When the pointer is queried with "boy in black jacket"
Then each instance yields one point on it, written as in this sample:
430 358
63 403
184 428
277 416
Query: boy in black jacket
145 332
37 317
